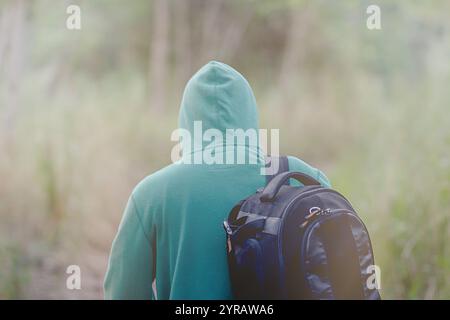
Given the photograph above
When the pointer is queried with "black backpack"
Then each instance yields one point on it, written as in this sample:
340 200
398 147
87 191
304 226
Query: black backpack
306 242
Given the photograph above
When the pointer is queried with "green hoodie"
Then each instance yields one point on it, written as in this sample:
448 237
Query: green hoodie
171 229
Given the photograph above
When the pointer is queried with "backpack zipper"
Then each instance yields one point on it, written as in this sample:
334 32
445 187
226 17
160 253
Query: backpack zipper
305 241
327 216
314 214
299 196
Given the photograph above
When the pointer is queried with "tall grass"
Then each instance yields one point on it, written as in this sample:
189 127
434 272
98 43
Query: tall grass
369 109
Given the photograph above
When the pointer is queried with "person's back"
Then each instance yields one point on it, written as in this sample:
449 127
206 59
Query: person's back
172 227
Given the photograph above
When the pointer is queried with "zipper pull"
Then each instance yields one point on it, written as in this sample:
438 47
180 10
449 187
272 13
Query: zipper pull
313 211
227 227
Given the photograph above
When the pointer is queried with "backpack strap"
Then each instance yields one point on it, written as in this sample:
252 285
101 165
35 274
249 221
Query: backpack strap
283 166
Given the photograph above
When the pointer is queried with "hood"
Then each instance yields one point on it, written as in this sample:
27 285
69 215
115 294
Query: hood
221 98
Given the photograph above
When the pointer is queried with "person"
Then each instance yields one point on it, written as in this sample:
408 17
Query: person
172 227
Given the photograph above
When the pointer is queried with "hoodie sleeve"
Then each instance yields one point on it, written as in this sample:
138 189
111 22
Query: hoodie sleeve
131 263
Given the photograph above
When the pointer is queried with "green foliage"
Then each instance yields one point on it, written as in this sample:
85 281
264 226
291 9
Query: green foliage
14 275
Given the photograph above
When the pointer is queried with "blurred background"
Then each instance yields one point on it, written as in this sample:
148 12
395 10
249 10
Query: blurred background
86 114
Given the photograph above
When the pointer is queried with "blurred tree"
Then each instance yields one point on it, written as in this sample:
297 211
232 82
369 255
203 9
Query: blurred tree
12 57
182 42
241 14
294 50
211 12
159 47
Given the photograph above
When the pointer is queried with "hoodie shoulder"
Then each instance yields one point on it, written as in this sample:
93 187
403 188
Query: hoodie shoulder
296 164
147 192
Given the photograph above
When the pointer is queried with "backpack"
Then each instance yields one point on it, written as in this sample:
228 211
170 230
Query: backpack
298 242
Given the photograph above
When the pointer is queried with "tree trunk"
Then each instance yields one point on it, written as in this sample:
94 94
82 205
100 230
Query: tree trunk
12 57
234 33
183 50
159 43
294 51
211 28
